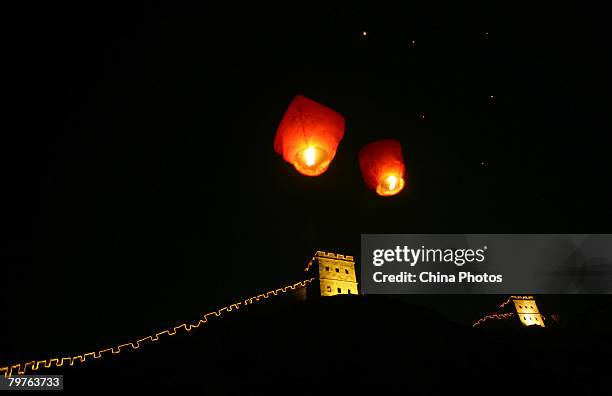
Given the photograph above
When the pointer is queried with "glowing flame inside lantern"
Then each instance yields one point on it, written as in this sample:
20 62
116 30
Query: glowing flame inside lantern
311 161
309 154
390 185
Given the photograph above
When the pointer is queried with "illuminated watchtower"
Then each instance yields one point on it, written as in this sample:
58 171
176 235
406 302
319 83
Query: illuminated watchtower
335 274
527 311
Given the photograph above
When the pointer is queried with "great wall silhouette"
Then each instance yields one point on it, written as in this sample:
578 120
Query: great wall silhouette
329 280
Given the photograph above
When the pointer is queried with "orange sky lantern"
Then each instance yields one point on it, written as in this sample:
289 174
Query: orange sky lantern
308 136
382 166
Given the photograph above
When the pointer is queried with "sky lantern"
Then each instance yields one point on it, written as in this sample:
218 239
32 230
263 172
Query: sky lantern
308 136
382 166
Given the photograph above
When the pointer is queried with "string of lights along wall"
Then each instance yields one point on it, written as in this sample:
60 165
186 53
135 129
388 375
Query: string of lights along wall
29 367
309 135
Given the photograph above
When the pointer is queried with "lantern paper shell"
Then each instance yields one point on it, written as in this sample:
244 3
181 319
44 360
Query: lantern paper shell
382 166
308 136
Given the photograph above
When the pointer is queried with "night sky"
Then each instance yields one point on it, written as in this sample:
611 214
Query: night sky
142 187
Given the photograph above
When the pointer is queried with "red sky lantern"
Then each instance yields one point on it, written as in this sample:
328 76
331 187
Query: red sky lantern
308 136
382 166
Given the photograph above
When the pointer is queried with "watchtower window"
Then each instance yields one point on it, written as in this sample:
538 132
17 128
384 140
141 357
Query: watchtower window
349 291
329 289
346 271
337 269
339 290
326 268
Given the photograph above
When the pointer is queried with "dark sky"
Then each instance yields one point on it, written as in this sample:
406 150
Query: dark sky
142 187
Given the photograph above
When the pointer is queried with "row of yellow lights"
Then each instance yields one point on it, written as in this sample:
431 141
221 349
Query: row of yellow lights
508 301
486 318
35 365
495 316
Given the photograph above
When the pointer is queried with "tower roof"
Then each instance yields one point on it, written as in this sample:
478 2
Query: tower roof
320 253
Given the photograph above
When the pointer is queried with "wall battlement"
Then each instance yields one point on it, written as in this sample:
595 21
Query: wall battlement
35 365
329 255
333 255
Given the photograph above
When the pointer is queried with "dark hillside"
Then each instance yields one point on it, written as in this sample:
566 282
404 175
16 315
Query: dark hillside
347 345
